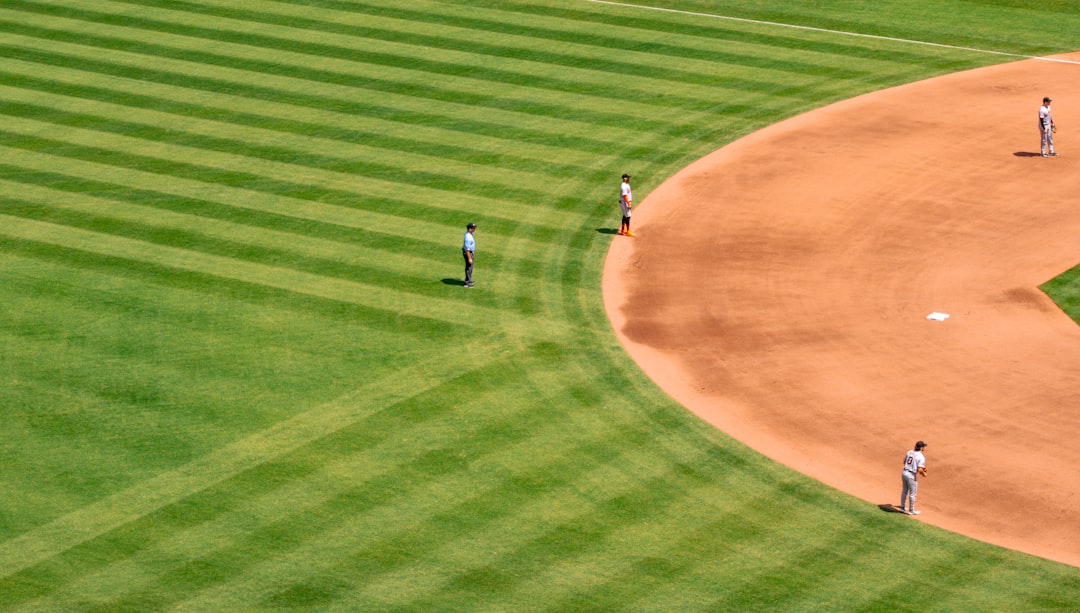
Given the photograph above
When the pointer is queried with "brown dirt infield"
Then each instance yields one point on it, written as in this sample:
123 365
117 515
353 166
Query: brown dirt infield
779 289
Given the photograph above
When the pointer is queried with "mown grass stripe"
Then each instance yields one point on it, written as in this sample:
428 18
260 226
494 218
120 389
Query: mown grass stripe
98 518
184 229
452 67
581 13
638 60
226 244
229 169
156 423
398 544
402 25
165 568
453 115
127 422
599 57
545 34
409 254
607 498
804 587
238 243
463 84
97 216
729 592
261 136
177 401
567 203
220 287
406 74
299 150
441 309
934 26
671 502
90 307
165 366
346 137
384 230
557 162
401 32
503 522
315 482
404 172
875 61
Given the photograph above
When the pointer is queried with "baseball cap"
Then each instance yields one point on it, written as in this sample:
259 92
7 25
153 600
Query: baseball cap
625 176
1047 99
471 225
920 445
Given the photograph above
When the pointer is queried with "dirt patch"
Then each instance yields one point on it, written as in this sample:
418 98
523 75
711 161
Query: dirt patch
779 289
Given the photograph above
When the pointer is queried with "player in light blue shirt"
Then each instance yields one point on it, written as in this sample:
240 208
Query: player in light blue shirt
468 247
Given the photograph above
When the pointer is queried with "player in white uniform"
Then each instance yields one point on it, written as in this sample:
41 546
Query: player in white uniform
626 203
1046 129
914 465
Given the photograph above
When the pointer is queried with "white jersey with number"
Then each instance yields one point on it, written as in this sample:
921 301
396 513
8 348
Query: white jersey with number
913 461
1044 115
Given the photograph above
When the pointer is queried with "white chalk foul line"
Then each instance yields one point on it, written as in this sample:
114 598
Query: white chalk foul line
839 32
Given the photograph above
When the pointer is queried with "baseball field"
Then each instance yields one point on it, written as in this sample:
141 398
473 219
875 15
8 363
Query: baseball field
800 325
239 368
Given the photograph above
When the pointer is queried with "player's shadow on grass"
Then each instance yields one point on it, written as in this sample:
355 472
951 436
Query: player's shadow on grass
889 508
607 231
457 282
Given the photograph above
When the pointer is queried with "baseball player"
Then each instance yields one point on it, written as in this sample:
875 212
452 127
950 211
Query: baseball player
914 465
1046 129
626 203
468 249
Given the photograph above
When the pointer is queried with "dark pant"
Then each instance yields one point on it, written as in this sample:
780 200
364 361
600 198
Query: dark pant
468 266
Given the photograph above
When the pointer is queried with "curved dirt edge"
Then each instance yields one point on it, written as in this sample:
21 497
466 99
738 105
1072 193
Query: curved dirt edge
779 287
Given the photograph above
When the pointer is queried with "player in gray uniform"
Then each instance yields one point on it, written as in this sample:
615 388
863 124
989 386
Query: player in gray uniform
1046 129
914 465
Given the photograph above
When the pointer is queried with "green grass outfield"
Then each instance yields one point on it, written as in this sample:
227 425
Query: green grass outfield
239 372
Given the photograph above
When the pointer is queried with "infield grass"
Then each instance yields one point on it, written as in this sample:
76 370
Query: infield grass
239 370
1065 291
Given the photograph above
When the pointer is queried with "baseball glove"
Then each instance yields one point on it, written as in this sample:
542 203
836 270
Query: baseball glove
1053 128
